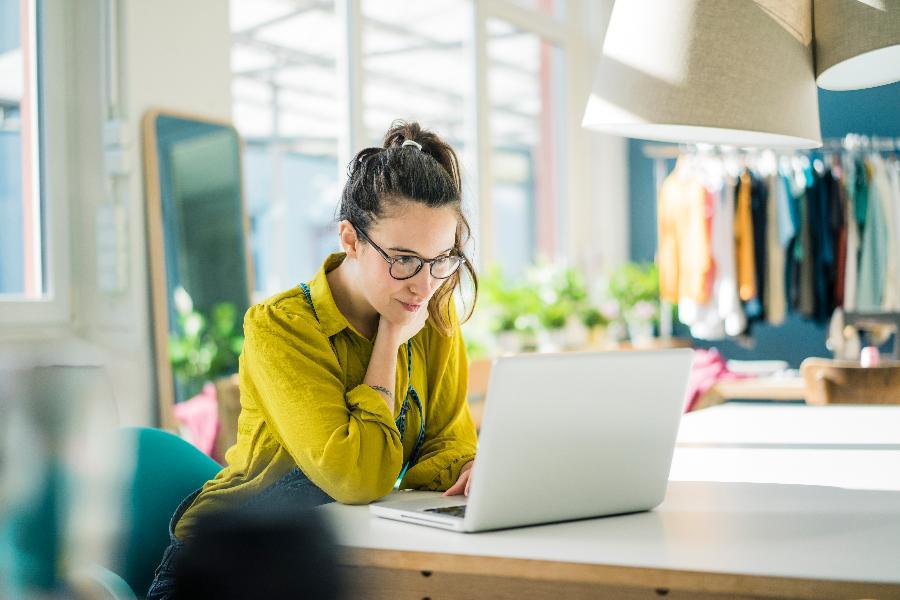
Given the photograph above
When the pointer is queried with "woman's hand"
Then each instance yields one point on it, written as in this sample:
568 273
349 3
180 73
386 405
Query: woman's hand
462 484
400 333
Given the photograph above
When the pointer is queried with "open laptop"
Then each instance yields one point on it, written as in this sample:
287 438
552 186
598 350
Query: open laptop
565 436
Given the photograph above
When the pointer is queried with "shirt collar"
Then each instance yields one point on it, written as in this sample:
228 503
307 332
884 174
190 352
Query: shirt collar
332 320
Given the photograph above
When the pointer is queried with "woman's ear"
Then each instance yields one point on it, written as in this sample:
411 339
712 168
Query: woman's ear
348 238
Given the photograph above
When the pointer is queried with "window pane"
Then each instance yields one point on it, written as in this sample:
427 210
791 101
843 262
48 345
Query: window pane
21 263
285 106
415 67
556 8
525 81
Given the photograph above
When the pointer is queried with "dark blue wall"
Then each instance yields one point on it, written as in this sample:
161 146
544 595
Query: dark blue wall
874 112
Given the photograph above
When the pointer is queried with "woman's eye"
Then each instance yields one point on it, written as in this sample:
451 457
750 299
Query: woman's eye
406 260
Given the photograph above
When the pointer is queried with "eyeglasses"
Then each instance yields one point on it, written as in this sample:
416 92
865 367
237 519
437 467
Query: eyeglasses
406 266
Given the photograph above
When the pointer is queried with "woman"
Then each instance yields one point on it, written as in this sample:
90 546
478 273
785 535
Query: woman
356 381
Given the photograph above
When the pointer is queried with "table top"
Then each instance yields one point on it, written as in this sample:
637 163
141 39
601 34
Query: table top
793 426
774 530
771 509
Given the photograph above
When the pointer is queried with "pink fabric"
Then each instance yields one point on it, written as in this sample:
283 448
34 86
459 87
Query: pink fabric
200 417
708 368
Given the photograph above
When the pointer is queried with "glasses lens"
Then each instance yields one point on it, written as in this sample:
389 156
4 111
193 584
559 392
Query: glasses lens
445 267
405 267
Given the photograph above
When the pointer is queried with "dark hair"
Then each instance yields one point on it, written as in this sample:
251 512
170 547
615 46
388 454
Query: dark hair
394 173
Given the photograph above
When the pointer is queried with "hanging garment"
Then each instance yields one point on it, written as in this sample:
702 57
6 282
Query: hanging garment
861 194
851 266
683 251
725 286
881 182
806 305
776 307
822 238
839 222
893 168
759 200
743 240
873 254
703 319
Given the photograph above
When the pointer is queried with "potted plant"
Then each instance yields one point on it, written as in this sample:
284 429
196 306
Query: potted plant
203 347
508 306
636 288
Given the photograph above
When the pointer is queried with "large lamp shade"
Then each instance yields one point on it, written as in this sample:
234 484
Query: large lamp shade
857 43
709 71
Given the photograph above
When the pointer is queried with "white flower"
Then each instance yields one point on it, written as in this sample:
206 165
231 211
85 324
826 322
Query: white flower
183 302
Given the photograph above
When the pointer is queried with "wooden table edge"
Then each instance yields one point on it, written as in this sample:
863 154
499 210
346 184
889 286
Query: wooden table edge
613 575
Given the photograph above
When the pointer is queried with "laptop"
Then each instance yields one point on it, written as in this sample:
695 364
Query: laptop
564 437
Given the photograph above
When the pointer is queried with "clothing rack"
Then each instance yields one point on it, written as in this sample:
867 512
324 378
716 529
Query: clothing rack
850 142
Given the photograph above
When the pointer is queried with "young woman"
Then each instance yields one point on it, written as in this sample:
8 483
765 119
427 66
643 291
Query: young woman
356 381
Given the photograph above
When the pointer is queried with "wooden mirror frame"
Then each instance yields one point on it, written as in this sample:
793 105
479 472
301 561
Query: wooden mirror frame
159 293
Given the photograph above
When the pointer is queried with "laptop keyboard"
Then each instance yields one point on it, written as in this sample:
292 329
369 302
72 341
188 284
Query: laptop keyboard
450 511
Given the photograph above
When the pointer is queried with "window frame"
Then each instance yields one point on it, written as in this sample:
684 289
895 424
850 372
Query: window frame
51 63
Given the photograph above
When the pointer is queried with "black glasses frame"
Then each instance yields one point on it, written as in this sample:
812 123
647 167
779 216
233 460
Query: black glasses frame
391 260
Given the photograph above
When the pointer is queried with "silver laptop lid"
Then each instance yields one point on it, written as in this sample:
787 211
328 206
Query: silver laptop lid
576 435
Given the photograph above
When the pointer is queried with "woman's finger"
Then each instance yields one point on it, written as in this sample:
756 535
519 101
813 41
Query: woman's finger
456 488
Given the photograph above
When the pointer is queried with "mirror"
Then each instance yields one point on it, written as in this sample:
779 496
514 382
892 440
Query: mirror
197 242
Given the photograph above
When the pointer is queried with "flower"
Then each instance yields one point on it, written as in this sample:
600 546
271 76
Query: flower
643 310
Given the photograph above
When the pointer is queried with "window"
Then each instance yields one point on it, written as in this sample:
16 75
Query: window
413 61
22 273
285 107
414 66
526 87
34 117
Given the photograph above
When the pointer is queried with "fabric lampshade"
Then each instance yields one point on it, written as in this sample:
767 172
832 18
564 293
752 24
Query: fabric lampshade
857 43
738 73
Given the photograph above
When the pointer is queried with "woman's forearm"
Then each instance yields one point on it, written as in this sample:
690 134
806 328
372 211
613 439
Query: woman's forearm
382 371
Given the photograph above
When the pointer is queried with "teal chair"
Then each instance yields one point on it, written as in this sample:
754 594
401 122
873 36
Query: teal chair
167 469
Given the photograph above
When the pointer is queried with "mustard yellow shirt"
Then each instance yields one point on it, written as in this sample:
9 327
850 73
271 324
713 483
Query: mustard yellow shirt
303 404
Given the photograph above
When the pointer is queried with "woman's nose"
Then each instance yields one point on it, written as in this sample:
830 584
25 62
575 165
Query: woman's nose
423 283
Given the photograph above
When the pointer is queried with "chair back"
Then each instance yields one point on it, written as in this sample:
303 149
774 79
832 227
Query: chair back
846 382
167 469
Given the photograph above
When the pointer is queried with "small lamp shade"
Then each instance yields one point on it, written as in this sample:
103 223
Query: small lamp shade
857 43
738 73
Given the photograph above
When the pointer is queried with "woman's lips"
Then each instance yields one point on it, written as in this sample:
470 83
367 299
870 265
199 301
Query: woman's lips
410 307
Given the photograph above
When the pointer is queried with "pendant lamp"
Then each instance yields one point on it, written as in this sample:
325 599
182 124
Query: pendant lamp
857 43
734 72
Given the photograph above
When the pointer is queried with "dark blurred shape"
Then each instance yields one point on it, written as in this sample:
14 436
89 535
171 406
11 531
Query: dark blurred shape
273 552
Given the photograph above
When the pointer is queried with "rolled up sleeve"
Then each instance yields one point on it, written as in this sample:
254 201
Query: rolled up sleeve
346 442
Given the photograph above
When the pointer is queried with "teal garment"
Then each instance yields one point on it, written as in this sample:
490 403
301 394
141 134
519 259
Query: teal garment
873 252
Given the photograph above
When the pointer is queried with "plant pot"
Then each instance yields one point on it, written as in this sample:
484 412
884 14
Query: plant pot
509 342
640 333
551 340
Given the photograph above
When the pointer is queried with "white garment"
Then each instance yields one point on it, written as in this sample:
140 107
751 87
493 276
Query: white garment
893 174
890 295
725 288
774 301
851 267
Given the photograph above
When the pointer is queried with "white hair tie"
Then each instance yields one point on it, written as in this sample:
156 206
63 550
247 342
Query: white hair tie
411 143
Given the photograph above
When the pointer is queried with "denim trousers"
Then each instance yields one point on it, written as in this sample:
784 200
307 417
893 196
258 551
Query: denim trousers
294 489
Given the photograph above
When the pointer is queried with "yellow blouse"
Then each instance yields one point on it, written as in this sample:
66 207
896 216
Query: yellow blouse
303 404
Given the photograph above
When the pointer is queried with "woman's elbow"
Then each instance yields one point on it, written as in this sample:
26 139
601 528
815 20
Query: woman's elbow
364 490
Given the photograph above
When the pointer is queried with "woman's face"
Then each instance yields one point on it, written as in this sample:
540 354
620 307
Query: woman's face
409 228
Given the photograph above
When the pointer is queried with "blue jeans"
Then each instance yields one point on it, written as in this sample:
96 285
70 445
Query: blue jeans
294 488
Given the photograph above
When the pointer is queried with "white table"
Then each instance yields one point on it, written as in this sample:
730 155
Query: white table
729 527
